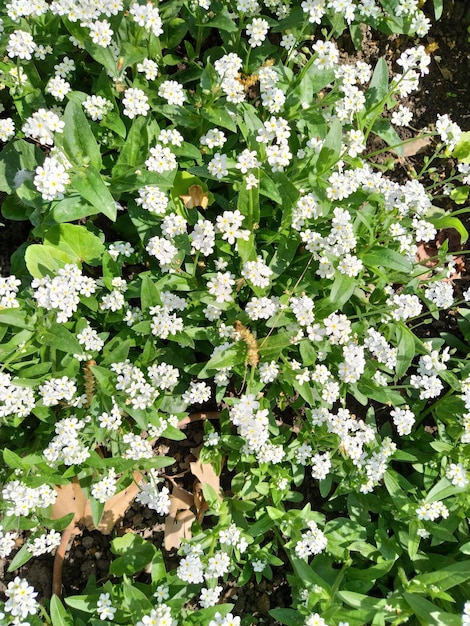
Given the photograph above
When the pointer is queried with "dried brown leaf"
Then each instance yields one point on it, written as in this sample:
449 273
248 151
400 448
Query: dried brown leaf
416 146
178 528
206 475
196 197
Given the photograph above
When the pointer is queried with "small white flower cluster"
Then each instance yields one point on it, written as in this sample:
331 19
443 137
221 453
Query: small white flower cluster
152 497
313 541
228 620
15 399
58 87
123 248
449 131
197 393
214 138
161 159
403 420
105 488
172 92
232 536
135 103
131 380
163 250
97 107
457 475
7 129
52 177
466 614
441 293
427 379
23 500
111 420
138 447
432 511
228 67
272 97
257 31
7 542
21 44
315 620
257 272
101 33
90 340
148 16
252 424
149 68
262 308
45 543
62 293
170 136
380 349
21 600
164 322
105 607
404 306
275 135
56 389
159 616
66 447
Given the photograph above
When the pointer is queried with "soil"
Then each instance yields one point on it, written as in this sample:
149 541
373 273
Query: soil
445 89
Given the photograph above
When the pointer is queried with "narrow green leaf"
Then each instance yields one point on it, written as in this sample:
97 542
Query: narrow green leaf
90 185
438 8
21 557
331 149
57 336
384 257
429 614
18 157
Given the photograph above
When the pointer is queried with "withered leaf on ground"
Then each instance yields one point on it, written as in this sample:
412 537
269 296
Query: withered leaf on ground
179 519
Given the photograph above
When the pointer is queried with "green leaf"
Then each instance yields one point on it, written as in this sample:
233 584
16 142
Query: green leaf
77 242
57 336
15 317
44 260
90 185
378 87
78 141
462 149
441 490
21 557
220 117
135 149
59 615
72 208
15 209
134 554
384 257
405 349
341 290
221 20
445 578
384 129
290 617
438 7
447 221
18 157
331 149
429 613
228 357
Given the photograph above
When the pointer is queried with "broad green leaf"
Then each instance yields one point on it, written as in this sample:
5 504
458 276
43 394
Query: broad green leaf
438 8
44 260
13 208
447 221
21 557
77 242
441 490
221 20
378 87
384 257
405 349
429 614
220 117
135 149
331 149
18 160
205 616
77 140
90 185
71 209
134 554
462 149
57 336
228 357
290 617
59 615
384 129
445 578
15 317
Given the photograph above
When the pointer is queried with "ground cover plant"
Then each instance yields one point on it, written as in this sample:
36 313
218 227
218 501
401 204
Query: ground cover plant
214 242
